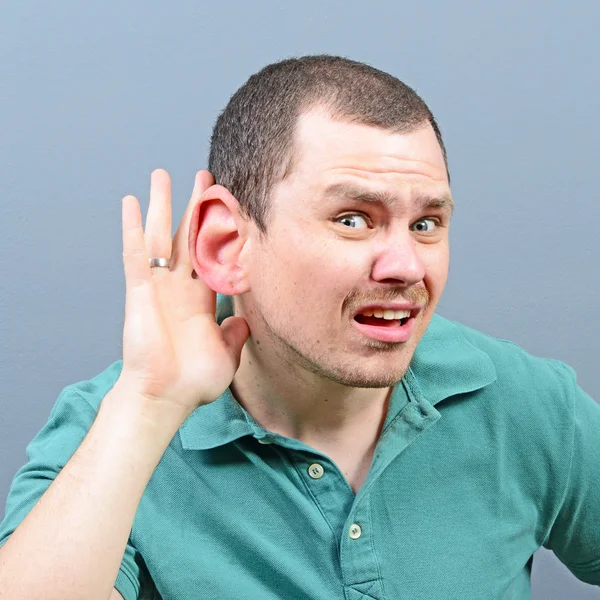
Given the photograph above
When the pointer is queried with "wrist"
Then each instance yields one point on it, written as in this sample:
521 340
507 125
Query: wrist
141 415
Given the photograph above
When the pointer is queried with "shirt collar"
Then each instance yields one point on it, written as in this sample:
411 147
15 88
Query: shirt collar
445 363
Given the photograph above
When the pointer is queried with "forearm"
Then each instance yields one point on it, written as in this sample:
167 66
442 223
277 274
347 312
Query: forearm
72 542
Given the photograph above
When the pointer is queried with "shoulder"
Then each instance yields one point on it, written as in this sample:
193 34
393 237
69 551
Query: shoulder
524 383
91 391
516 367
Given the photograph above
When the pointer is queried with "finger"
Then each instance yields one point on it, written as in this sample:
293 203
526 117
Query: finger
157 232
180 256
135 255
235 332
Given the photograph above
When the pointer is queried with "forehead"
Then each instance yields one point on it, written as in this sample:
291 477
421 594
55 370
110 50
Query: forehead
326 147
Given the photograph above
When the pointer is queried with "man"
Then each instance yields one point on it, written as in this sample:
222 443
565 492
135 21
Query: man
328 435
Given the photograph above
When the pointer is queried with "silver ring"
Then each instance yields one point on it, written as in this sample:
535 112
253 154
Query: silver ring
158 262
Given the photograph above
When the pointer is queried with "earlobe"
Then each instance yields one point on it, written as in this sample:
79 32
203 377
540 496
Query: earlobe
216 239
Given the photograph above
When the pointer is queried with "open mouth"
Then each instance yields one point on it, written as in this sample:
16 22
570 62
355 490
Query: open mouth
379 317
380 321
386 325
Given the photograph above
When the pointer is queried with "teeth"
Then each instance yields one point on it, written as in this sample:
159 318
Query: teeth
388 315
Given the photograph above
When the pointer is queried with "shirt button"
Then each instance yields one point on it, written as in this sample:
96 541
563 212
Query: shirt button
265 441
355 531
316 471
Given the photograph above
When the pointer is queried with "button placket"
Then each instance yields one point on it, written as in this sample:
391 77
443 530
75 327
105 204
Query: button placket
359 562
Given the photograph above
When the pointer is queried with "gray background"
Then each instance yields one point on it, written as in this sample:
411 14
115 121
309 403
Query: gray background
95 96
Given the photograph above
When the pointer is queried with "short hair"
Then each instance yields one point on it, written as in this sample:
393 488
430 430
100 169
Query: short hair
251 146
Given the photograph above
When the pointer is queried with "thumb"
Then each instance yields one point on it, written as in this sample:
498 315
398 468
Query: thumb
235 333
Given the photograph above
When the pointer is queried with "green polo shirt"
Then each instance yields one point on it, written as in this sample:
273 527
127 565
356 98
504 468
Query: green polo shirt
487 453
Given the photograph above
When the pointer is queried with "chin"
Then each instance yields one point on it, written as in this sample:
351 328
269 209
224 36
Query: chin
357 378
369 381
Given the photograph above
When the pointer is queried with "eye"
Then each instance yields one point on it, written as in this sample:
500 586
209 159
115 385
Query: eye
425 225
353 221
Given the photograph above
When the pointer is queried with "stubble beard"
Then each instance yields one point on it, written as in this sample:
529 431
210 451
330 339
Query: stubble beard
316 360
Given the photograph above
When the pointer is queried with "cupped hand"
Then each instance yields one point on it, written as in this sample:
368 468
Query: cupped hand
174 351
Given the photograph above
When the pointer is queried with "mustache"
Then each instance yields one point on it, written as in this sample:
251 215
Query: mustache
414 295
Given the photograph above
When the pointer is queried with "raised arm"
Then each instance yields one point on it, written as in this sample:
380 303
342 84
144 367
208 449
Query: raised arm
175 359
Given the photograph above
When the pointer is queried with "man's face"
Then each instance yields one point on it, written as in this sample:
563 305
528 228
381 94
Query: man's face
359 226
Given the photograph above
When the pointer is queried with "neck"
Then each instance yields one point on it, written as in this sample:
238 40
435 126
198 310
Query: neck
296 403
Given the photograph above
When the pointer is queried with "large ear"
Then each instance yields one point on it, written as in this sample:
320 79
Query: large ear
216 239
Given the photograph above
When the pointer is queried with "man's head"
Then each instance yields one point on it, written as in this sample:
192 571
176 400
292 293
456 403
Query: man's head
252 145
334 203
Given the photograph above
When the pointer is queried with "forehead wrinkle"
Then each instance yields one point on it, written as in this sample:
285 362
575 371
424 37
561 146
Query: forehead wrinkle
367 166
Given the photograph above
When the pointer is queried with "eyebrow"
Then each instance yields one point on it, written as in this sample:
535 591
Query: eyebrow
422 201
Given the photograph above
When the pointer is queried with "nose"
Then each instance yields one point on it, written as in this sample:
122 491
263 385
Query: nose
398 261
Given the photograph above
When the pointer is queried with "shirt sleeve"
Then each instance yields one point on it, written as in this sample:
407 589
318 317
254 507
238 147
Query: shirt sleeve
575 534
49 451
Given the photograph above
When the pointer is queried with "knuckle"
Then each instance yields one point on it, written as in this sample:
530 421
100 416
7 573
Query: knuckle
135 253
